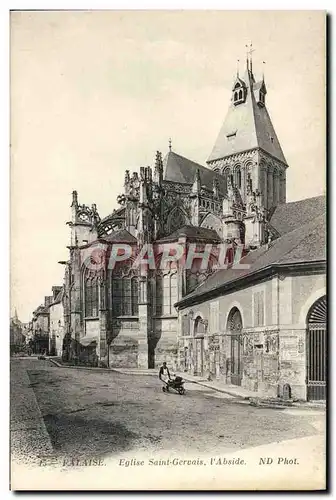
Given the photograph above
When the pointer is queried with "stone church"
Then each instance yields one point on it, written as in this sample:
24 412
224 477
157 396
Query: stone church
229 324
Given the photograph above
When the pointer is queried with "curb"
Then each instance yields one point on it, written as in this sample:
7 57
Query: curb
120 370
89 368
217 389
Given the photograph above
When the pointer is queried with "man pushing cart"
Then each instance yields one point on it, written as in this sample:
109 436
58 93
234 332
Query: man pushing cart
175 383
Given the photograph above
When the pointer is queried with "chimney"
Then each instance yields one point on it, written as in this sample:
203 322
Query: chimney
48 300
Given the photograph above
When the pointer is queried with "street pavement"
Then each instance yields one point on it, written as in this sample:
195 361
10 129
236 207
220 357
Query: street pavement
76 412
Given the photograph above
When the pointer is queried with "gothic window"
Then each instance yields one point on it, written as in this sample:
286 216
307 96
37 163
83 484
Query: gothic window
240 94
236 96
125 296
262 97
176 220
166 294
91 293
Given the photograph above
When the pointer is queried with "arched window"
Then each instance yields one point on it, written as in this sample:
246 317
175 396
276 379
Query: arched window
166 294
199 327
125 296
91 294
234 322
226 173
238 178
240 94
236 96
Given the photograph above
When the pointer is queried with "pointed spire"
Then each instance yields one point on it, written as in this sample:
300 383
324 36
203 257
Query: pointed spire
237 68
170 144
263 73
249 52
247 58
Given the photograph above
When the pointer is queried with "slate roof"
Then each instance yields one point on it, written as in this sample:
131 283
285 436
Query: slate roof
289 216
251 125
118 213
120 236
192 233
177 168
306 244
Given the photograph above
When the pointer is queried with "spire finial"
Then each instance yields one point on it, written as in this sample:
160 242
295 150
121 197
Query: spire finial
249 51
237 68
263 70
170 144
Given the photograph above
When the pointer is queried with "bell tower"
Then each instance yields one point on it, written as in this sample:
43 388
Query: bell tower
247 149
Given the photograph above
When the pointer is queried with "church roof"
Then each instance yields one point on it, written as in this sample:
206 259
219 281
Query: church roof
120 236
305 244
192 233
177 168
119 212
247 126
289 216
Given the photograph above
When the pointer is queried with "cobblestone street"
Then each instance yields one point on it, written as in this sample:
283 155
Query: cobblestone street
101 414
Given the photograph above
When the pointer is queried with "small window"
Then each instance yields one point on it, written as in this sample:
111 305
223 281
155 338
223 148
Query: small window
236 96
240 94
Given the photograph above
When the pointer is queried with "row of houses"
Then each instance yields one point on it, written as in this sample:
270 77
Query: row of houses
46 329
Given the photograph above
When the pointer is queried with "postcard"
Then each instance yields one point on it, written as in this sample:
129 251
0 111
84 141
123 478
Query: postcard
168 322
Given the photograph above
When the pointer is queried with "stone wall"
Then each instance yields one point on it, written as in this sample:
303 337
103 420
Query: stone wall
124 345
166 341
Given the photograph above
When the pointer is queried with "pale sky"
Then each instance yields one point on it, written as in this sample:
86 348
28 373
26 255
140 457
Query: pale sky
95 93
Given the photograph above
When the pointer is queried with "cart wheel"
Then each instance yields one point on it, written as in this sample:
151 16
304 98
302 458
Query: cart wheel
181 390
